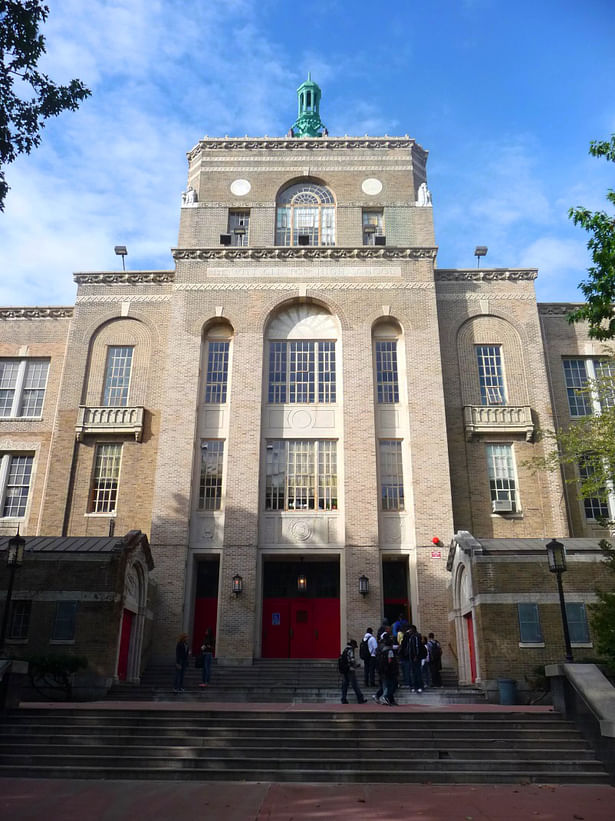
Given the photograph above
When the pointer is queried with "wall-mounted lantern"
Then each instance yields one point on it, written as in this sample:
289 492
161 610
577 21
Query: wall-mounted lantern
363 585
237 584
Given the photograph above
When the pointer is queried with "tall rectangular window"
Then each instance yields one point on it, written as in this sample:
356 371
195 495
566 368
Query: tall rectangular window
239 227
19 620
577 623
117 376
502 482
103 494
373 226
578 374
491 374
210 485
217 372
301 474
65 621
530 631
596 507
15 479
301 372
387 383
391 475
22 387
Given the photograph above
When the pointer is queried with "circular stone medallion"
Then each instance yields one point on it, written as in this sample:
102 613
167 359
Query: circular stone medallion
240 188
371 186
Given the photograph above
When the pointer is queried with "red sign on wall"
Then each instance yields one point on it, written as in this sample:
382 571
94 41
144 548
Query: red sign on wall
436 554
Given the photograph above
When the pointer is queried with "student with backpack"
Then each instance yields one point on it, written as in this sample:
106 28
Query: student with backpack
346 665
389 670
417 652
435 660
367 654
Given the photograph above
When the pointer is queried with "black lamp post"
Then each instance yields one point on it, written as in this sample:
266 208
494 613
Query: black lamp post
14 559
556 553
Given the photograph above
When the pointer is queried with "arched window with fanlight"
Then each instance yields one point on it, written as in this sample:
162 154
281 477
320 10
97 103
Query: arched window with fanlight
305 215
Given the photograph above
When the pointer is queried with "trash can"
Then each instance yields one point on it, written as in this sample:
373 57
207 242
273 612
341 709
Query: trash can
508 690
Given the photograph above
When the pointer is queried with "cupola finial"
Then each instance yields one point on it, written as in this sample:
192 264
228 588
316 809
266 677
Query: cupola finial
308 122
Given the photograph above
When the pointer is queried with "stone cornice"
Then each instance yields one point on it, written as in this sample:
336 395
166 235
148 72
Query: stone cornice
35 313
298 143
367 252
558 308
124 277
485 274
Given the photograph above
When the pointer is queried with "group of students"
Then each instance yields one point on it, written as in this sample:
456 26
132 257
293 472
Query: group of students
182 655
397 649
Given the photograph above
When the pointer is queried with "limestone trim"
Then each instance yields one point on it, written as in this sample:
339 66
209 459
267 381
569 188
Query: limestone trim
301 252
35 313
124 278
298 143
485 274
86 300
495 296
558 308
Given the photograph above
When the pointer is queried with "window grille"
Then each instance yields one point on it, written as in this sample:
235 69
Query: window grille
391 475
239 227
387 384
301 475
117 376
301 371
22 387
103 495
217 372
210 485
491 374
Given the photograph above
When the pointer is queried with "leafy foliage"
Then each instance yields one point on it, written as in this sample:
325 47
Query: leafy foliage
23 116
602 614
51 675
599 288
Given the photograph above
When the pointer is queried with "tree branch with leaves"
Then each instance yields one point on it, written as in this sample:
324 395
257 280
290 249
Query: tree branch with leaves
27 96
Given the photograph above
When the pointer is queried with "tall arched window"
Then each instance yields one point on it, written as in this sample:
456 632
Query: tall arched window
305 215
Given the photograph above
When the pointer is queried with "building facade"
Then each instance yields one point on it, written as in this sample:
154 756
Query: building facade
303 410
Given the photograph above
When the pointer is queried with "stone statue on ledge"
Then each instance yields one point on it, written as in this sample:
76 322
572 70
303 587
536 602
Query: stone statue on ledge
424 195
189 196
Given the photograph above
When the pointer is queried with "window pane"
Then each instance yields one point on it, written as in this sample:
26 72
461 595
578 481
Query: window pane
106 478
117 376
326 371
373 226
217 372
299 472
301 372
596 507
575 373
8 380
605 388
64 622
210 487
386 372
306 211
391 475
277 372
300 478
490 374
327 475
19 623
276 475
238 227
577 622
501 471
292 372
529 624
17 485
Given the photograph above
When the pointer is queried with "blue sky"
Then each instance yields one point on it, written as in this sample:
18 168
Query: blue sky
505 96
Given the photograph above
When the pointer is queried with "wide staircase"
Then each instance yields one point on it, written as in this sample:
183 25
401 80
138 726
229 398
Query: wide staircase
298 681
376 744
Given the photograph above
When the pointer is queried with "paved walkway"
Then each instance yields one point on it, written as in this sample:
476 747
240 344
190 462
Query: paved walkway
74 800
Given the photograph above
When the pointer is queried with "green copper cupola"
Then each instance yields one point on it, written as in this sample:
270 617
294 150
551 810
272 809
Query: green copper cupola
308 122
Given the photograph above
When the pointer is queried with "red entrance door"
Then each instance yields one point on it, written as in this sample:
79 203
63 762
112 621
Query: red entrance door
301 628
205 615
471 646
122 662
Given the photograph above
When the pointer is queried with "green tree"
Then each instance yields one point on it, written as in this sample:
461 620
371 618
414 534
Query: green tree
599 288
27 97
602 614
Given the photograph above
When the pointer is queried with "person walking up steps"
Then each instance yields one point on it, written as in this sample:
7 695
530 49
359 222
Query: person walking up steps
347 666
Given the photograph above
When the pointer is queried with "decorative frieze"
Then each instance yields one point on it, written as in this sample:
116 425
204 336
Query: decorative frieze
35 313
298 144
366 252
124 278
558 308
485 274
318 285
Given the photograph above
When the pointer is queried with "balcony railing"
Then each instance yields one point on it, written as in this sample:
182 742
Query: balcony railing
109 420
481 419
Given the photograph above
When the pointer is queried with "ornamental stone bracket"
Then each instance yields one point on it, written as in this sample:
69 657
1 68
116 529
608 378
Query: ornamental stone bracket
109 420
492 419
363 252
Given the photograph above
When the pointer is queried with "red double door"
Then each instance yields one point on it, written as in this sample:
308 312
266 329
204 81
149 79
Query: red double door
301 628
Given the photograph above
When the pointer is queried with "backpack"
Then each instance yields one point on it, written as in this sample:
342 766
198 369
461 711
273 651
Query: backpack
422 649
435 651
343 664
364 653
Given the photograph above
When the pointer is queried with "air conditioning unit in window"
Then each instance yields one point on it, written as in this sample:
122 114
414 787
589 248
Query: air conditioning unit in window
380 239
370 229
303 239
502 506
